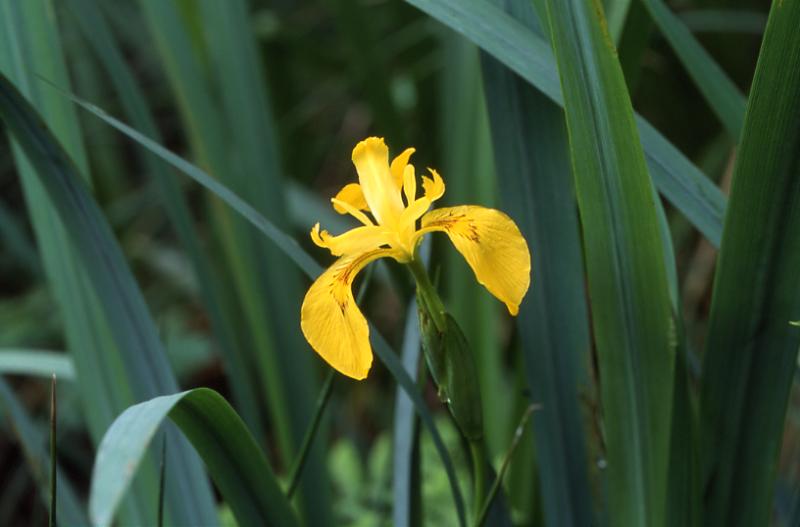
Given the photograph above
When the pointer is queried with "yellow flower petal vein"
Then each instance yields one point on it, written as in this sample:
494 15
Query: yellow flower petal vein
332 322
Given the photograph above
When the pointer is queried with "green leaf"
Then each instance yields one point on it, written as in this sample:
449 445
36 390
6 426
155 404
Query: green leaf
406 484
96 31
218 78
530 57
725 21
467 159
32 442
532 159
751 348
233 457
284 242
717 89
39 363
115 368
395 367
293 250
628 283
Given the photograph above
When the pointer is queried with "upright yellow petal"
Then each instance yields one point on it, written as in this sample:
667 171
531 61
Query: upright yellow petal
371 158
399 166
331 320
434 188
492 245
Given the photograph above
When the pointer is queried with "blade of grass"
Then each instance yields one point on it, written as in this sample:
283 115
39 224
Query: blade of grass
684 493
628 283
532 159
305 446
498 480
113 372
234 460
17 243
719 91
467 156
117 294
70 510
751 348
233 135
406 484
617 15
293 250
395 367
284 242
633 45
529 56
162 477
39 363
724 21
95 30
52 518
368 66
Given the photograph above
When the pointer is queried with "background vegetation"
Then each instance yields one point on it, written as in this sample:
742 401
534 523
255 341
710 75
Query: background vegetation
663 366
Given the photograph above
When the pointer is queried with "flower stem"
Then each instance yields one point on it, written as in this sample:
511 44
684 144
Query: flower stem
322 402
53 450
427 295
484 510
479 479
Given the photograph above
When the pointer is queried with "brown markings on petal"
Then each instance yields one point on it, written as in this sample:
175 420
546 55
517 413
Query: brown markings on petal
458 224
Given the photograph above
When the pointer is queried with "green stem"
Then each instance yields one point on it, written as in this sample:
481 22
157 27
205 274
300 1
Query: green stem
311 432
162 480
53 494
484 510
479 478
427 295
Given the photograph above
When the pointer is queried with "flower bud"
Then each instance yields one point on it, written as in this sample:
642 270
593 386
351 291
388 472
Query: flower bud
453 370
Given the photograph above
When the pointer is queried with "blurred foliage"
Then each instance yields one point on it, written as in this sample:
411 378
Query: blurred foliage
338 71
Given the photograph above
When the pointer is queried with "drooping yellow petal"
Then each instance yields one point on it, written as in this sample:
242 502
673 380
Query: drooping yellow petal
371 158
493 246
332 322
399 166
354 241
351 194
434 188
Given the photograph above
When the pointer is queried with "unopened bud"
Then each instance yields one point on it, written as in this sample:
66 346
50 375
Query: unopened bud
453 370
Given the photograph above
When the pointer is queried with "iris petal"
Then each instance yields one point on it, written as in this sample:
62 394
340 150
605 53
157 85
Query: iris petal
354 241
399 166
332 322
433 187
371 158
492 245
352 195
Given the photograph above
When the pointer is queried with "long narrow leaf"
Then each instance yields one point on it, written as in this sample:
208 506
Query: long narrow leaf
37 362
232 455
32 441
118 294
628 284
530 57
312 269
96 31
717 88
406 484
751 348
114 372
229 123
532 159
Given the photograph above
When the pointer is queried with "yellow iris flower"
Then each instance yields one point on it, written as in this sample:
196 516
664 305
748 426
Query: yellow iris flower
488 239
